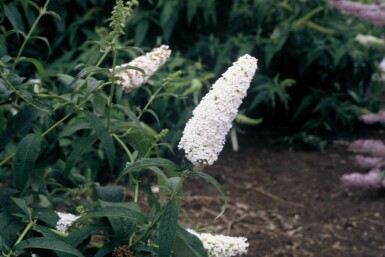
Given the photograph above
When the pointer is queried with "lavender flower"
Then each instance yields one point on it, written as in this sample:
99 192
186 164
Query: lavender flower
365 162
373 147
374 13
371 179
149 63
204 135
222 246
65 221
373 117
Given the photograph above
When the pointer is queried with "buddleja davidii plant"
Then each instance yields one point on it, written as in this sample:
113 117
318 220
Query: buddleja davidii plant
126 228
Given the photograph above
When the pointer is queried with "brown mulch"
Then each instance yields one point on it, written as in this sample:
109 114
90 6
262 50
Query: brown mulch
289 202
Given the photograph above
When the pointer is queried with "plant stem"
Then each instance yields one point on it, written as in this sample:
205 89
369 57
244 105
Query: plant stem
136 196
123 146
62 119
42 12
20 94
112 88
21 237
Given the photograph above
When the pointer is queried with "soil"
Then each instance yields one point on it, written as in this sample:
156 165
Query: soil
289 202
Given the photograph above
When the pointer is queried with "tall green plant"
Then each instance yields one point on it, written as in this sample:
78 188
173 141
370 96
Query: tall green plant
64 136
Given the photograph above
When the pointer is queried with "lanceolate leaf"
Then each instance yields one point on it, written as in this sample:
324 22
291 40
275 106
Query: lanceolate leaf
188 245
79 149
213 182
148 163
167 229
21 122
103 135
48 243
119 211
24 162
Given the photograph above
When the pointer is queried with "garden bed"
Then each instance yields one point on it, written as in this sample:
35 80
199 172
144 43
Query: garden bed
290 202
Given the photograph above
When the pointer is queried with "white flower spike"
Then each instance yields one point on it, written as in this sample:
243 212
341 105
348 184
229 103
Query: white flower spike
204 135
149 63
222 246
65 221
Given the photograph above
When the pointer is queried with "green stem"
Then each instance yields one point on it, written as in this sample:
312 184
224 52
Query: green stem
42 12
136 195
112 88
21 237
20 94
123 146
62 119
152 98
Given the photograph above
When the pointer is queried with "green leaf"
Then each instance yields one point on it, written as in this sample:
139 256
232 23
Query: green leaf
19 123
167 229
148 163
26 155
39 67
188 245
48 243
103 135
10 225
45 40
70 129
110 193
213 182
76 237
14 16
80 148
22 204
141 31
93 69
243 119
124 228
128 212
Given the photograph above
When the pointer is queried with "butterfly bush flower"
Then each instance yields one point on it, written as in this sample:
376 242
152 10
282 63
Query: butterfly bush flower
65 221
149 63
368 146
222 246
204 135
371 179
374 13
371 118
370 41
365 162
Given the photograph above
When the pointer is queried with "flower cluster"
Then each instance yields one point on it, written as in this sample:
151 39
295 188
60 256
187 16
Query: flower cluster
373 160
374 13
370 41
222 246
371 118
65 221
368 146
371 179
149 63
204 135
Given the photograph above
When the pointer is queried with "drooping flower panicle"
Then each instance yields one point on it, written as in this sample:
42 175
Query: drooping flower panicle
372 179
222 246
149 63
370 41
374 13
368 146
204 135
65 221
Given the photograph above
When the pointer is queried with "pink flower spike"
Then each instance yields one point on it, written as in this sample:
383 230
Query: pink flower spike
373 117
372 179
373 147
365 162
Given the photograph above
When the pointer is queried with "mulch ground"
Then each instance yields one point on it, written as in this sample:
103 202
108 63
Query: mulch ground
289 202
